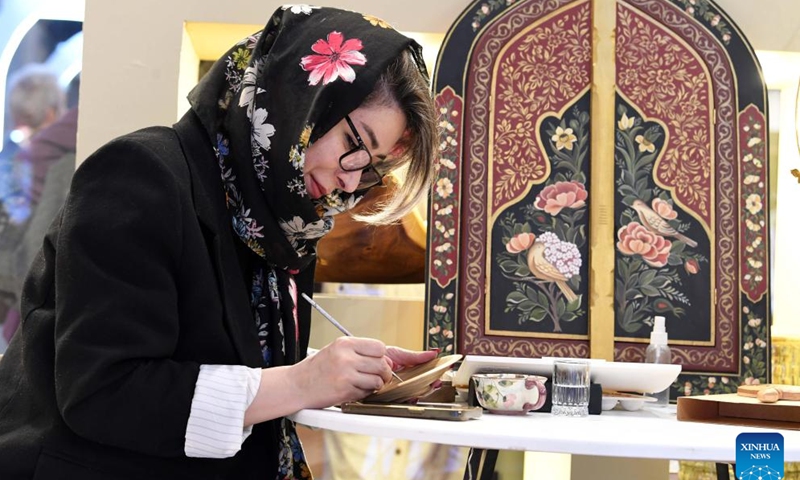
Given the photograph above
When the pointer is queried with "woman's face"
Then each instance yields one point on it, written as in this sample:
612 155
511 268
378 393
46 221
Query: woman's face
380 127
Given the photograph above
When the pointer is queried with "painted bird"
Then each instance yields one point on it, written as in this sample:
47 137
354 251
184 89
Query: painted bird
544 270
657 224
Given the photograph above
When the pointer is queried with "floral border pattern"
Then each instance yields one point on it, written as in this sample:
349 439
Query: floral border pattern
754 207
486 9
754 363
443 215
441 328
704 10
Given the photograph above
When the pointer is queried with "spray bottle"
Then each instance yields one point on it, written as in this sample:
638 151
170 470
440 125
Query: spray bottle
658 352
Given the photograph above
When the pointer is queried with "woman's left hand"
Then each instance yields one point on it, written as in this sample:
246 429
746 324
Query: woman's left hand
402 358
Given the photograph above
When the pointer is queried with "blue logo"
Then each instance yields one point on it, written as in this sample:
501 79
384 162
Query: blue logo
759 456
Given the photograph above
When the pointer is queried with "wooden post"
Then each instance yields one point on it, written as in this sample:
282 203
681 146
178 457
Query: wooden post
602 236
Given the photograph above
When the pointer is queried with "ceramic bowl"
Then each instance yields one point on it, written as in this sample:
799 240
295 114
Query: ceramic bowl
510 393
632 405
626 401
609 403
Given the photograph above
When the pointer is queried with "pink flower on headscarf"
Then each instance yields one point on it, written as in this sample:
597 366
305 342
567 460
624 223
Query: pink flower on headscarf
333 60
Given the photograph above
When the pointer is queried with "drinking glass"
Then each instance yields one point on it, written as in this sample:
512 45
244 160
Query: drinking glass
570 387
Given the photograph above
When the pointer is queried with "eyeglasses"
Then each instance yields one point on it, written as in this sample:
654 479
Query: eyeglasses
359 158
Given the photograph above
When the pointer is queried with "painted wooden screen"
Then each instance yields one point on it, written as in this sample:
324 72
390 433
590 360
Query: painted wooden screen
602 163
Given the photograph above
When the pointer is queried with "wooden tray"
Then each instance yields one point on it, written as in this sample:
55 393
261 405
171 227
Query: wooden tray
416 382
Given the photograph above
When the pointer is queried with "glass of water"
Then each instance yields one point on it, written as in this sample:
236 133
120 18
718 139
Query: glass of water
570 387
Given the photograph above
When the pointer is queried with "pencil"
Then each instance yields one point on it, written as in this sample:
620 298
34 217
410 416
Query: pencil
335 323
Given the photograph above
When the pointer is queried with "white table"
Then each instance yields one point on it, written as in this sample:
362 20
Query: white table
649 433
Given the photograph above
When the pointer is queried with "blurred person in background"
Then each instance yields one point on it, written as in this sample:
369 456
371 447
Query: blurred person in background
46 136
35 100
50 157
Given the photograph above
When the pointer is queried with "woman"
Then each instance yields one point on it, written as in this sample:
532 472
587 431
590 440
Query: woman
161 333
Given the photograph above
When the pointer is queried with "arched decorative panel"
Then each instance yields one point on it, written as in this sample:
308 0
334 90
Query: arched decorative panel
537 249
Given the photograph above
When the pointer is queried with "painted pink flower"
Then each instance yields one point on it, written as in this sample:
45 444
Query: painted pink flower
561 195
635 239
334 59
692 266
520 243
664 209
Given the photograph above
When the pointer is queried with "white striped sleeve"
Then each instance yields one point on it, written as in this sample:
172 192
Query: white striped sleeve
216 420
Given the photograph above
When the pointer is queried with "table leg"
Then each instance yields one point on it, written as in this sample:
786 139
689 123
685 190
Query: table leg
480 464
723 472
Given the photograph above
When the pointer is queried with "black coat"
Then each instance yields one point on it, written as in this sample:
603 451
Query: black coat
138 283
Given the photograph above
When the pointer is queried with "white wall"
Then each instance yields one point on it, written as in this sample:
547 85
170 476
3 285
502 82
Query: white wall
783 73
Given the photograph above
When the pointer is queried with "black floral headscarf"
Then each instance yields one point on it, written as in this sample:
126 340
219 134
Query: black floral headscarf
269 98
263 104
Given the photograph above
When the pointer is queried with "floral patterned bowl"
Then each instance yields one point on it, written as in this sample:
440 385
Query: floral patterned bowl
510 393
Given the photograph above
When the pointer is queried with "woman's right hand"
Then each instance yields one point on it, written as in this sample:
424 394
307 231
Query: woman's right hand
347 369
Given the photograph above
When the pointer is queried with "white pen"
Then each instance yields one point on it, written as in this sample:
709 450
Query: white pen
335 323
